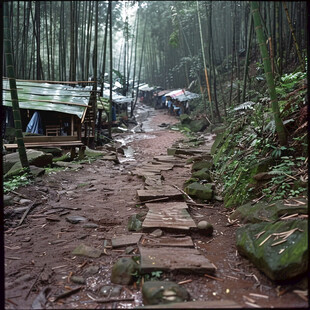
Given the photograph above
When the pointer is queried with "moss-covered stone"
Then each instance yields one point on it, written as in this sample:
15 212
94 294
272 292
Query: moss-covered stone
35 158
163 292
200 191
123 271
280 262
202 174
263 211
185 119
134 223
198 165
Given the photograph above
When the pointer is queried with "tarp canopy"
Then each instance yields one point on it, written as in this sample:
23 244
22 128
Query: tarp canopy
116 97
164 92
182 95
47 97
146 87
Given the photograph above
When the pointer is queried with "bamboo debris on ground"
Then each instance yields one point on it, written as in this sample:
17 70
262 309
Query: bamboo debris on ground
284 235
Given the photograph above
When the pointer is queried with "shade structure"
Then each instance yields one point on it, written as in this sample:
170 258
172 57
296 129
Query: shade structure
182 95
47 97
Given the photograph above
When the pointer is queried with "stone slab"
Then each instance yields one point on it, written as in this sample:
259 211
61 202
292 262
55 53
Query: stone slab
167 205
158 166
174 259
171 218
210 304
145 195
125 240
169 241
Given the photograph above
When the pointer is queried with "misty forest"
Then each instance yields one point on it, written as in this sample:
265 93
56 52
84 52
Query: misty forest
154 154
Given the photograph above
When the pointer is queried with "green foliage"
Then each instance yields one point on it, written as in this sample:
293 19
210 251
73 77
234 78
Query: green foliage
279 187
153 276
288 82
249 140
17 181
174 39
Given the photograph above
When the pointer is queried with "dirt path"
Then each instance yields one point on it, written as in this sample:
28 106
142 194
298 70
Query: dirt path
38 254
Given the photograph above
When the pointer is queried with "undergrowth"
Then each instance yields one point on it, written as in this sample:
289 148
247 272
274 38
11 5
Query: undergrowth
249 147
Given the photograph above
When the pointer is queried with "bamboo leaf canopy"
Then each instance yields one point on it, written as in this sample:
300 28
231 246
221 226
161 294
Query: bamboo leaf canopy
48 97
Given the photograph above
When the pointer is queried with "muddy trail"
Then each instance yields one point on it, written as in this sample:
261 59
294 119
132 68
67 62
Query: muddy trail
91 205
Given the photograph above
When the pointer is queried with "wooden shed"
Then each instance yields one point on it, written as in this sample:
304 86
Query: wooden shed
67 115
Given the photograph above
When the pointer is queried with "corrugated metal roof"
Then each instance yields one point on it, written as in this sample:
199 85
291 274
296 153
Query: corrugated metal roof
47 97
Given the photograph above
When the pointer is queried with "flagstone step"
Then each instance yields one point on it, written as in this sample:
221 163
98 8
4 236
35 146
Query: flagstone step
165 192
174 259
168 241
169 218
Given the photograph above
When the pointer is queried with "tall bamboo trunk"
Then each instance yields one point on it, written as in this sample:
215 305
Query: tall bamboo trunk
282 136
293 36
111 69
204 62
246 64
13 88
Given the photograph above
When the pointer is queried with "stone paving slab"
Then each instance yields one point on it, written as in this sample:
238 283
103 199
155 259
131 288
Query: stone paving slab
171 218
174 259
125 240
145 195
211 304
168 241
167 205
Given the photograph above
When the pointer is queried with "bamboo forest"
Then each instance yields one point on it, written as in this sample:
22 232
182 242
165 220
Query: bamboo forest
154 154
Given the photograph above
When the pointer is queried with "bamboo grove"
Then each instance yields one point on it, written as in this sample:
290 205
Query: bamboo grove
170 43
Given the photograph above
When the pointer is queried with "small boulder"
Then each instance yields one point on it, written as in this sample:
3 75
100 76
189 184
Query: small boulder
198 165
279 257
156 233
134 224
75 219
123 270
163 292
202 174
84 250
91 270
205 227
200 191
78 280
7 200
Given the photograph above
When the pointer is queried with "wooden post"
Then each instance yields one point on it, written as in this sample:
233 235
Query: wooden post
72 125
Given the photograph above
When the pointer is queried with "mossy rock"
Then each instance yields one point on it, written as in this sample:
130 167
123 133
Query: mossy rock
191 180
280 262
202 174
35 158
200 191
123 271
264 212
198 125
198 165
185 119
163 292
134 223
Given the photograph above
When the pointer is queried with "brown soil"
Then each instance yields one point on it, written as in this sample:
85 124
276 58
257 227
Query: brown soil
38 254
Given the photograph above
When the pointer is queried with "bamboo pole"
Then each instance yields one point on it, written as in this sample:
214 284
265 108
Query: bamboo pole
14 94
293 35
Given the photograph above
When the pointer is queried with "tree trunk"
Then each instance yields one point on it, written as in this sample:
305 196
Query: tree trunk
14 96
294 37
269 76
111 70
204 62
246 64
